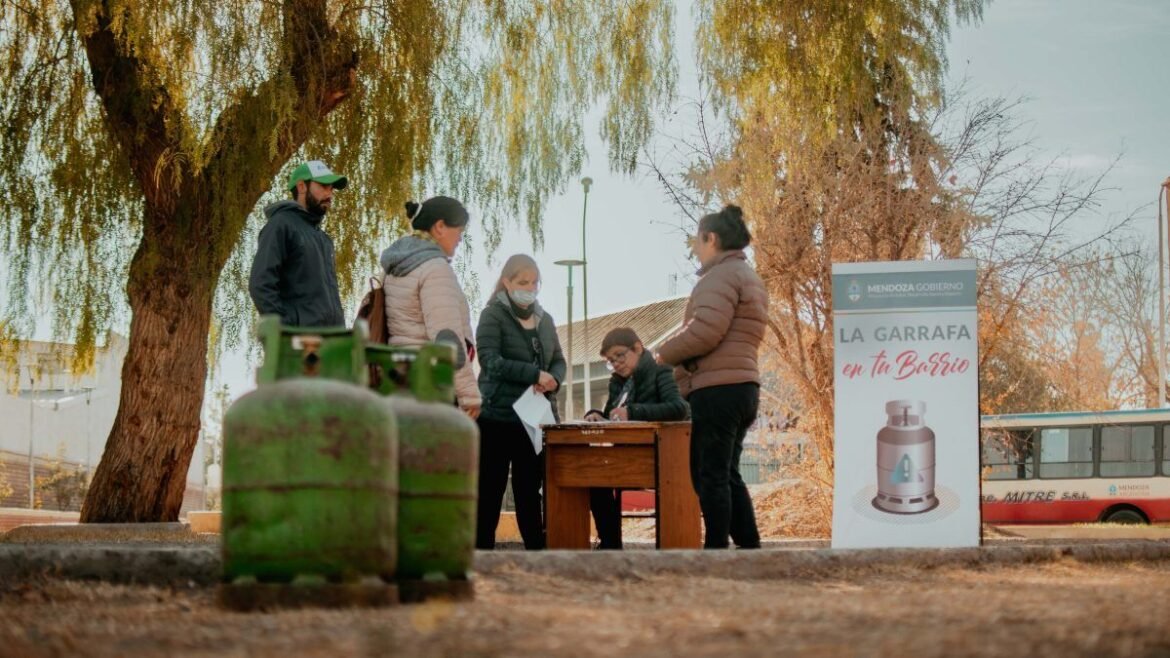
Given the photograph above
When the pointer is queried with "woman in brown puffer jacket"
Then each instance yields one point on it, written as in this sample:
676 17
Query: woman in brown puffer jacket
715 356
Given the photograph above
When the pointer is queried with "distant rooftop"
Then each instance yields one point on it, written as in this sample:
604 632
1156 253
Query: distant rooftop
652 322
112 340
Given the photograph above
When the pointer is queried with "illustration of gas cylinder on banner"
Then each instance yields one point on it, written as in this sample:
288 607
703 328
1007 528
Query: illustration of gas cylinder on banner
905 460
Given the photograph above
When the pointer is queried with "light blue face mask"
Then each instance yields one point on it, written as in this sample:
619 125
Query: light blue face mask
523 298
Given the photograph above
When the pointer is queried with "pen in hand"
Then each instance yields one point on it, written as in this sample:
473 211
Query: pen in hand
619 411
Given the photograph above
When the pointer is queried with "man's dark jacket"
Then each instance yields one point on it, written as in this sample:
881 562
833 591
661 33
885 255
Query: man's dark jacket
507 360
293 274
653 395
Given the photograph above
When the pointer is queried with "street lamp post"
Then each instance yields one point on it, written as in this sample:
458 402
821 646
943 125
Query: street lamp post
88 426
32 466
586 182
570 263
1165 193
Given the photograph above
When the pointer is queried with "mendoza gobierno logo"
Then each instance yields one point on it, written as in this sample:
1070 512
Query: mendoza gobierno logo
854 291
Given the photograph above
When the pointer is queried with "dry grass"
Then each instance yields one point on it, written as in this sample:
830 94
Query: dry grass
792 509
1060 609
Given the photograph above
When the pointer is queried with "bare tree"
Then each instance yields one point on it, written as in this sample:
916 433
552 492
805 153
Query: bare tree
963 183
1094 330
1023 211
1068 332
1129 308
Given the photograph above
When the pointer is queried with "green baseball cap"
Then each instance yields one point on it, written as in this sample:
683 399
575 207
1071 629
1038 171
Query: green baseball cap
318 172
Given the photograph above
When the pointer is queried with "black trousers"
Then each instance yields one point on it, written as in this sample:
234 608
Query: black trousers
606 506
504 444
720 418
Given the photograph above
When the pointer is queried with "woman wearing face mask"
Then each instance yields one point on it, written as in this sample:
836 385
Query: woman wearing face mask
518 348
424 302
640 389
716 354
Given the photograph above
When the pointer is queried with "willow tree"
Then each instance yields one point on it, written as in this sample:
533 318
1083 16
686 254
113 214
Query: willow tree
139 137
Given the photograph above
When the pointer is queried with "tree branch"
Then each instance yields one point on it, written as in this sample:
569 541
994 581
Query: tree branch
321 63
140 113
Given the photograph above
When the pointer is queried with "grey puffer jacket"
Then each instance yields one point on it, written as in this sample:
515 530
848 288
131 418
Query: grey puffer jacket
423 298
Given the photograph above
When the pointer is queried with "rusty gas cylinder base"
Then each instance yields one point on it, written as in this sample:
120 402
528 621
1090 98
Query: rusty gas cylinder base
420 591
247 595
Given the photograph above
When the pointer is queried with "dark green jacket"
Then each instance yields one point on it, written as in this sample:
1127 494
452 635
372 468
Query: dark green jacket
507 360
293 274
653 393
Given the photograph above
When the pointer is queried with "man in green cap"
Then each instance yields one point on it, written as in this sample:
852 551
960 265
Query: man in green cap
293 273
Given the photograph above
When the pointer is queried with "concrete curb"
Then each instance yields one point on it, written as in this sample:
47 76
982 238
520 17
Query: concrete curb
200 565
145 565
106 533
797 563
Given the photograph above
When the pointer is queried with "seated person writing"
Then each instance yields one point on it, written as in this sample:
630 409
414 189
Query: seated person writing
639 389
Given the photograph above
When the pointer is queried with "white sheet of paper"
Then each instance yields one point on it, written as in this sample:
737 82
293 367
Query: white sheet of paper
534 410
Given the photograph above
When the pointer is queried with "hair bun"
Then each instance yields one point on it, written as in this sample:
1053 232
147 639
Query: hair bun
424 214
735 234
413 210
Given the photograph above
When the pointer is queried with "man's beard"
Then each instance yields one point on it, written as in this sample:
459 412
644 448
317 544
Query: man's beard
313 205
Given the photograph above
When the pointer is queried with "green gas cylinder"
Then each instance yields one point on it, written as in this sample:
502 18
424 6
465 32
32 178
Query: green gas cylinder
438 462
310 481
324 353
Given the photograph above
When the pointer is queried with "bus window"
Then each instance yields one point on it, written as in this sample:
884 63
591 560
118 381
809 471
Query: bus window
1066 452
1127 451
1007 455
1165 450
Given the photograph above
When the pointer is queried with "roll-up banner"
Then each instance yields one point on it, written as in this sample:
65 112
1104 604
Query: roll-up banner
906 405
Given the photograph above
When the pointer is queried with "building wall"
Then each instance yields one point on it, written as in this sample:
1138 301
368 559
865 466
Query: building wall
63 416
74 429
14 471
60 413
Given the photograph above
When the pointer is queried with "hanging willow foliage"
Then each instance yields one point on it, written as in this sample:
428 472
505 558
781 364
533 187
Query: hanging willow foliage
483 100
141 135
829 65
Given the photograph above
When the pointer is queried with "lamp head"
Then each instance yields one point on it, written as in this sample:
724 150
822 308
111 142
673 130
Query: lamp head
587 181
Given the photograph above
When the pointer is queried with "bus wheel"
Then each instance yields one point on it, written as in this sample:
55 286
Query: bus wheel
1125 515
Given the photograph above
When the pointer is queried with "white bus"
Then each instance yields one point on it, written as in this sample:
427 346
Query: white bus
1079 467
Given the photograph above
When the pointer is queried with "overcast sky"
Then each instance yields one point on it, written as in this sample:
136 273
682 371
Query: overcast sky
1091 85
1088 67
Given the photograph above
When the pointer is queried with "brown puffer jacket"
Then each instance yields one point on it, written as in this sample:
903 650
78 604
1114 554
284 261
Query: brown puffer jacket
724 324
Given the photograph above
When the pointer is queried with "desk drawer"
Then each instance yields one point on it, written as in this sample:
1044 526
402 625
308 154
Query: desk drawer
601 466
600 433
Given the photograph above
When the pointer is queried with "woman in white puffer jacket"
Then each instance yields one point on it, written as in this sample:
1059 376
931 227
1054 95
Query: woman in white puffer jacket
424 302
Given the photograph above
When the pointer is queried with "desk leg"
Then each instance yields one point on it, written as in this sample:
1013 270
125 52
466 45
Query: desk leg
567 516
679 519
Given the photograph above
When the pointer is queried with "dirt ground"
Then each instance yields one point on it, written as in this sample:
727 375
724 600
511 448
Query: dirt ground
1061 609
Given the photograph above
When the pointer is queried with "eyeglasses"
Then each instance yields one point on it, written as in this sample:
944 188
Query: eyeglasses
618 357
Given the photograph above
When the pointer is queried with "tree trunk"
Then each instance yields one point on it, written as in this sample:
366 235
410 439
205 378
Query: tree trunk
188 232
142 475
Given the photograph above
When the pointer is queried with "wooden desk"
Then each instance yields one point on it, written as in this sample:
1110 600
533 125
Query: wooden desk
634 455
